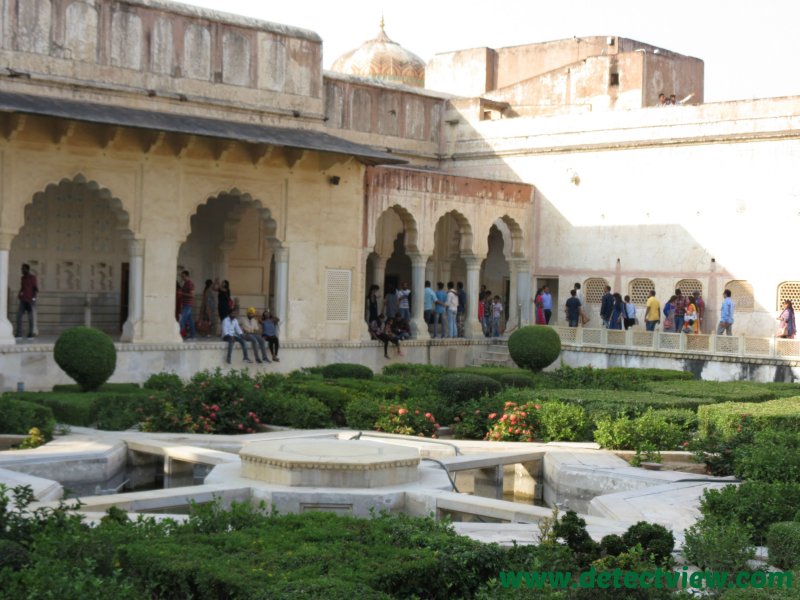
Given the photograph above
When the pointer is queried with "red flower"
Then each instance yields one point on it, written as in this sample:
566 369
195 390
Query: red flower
402 411
537 406
491 415
215 408
241 425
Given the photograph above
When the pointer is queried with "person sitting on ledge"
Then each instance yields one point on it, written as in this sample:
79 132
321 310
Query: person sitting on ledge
252 334
232 332
269 331
401 329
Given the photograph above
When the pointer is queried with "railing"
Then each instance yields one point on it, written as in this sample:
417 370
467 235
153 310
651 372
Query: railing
639 339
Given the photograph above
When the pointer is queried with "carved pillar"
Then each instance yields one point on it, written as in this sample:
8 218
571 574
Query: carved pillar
132 329
513 296
523 276
472 327
419 329
6 328
379 272
282 288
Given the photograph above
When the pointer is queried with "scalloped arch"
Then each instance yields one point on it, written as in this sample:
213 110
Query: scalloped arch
409 227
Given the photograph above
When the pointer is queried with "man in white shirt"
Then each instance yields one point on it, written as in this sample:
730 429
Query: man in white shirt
232 332
403 304
452 310
252 334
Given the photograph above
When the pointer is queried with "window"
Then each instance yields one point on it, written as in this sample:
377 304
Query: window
639 290
689 287
789 290
593 290
613 80
337 305
742 295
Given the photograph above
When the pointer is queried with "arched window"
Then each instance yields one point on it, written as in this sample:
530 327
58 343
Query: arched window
639 290
742 295
789 290
593 290
689 286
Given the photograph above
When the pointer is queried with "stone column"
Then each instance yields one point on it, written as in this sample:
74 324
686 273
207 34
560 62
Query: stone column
419 329
282 288
132 329
379 273
6 328
472 327
513 296
524 292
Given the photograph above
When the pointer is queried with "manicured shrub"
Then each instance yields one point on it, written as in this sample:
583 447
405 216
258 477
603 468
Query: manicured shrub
718 545
353 371
754 505
13 556
783 541
459 388
516 380
772 456
118 412
656 541
726 391
362 413
727 420
572 530
164 381
111 388
615 403
19 417
684 418
563 422
72 408
651 374
334 397
649 431
612 545
496 373
404 421
299 412
534 347
87 355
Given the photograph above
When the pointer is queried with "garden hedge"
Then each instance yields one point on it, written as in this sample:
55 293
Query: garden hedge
754 504
353 371
534 347
18 417
460 388
725 391
87 355
783 541
727 420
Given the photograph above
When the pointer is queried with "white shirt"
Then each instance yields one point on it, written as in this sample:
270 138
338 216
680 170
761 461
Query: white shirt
230 327
452 300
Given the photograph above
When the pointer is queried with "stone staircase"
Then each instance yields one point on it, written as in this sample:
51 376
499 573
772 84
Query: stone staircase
495 355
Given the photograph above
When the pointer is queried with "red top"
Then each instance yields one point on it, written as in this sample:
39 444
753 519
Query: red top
28 288
187 293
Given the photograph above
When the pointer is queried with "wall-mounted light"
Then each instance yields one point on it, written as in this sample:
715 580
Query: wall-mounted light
334 179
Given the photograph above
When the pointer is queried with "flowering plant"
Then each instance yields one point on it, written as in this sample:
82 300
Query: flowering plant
517 423
402 420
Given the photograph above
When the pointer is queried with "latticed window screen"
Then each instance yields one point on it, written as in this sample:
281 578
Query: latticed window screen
689 287
639 290
742 295
789 290
337 297
593 290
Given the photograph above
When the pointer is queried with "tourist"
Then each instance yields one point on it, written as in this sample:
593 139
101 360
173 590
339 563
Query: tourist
389 336
497 314
481 312
617 312
584 318
669 314
652 312
462 307
187 300
269 331
440 309
390 304
232 332
402 329
225 303
487 313
680 304
691 323
252 333
787 327
606 307
662 99
403 303
726 315
208 309
573 309
28 291
428 304
673 100
452 310
537 302
377 330
629 314
372 303
701 309
547 304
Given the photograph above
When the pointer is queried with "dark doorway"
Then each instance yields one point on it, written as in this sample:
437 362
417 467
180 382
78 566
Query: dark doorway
124 290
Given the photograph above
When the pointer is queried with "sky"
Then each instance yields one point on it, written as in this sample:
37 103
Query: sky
750 49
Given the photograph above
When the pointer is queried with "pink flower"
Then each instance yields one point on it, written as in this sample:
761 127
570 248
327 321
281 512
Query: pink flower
427 415
215 408
416 412
402 411
537 406
491 415
436 426
241 425
213 416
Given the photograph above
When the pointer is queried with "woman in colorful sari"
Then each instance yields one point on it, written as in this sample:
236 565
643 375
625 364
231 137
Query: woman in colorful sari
691 321
787 327
539 308
669 314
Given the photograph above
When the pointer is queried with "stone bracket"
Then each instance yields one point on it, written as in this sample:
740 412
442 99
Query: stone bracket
11 124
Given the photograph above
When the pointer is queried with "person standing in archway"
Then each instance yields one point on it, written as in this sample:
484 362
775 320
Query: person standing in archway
187 301
547 304
28 291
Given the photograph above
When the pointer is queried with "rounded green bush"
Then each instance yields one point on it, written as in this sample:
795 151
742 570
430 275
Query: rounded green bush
783 541
534 347
515 380
340 370
460 388
87 355
655 539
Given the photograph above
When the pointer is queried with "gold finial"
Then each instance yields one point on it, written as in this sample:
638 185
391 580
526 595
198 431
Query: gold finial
383 23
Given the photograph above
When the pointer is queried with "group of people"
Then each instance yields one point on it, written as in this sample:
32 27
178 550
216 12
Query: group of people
663 100
490 313
217 302
389 331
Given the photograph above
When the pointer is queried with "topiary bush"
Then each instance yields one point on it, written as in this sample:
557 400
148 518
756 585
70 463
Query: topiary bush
351 370
656 541
783 541
563 423
534 347
718 545
460 388
164 381
19 417
87 355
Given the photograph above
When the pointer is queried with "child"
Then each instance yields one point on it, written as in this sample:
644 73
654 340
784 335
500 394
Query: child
497 313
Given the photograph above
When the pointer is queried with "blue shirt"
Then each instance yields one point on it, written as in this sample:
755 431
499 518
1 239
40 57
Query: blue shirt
726 312
441 296
547 301
430 299
268 328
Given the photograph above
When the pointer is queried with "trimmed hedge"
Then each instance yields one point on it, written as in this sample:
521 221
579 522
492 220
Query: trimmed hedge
87 355
616 403
353 371
727 420
19 416
726 391
112 388
783 541
772 456
534 347
754 504
458 388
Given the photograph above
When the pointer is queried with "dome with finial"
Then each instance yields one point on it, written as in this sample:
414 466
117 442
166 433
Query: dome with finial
382 58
